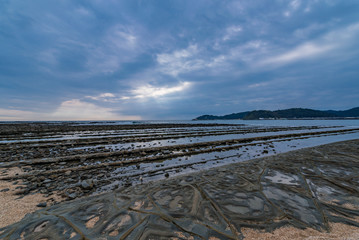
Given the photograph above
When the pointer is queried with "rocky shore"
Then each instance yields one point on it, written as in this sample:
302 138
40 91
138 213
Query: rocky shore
65 161
308 193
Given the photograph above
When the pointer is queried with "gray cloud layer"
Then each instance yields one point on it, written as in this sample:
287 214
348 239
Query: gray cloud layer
175 59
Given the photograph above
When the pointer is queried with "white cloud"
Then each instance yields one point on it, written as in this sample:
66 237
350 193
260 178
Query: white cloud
293 6
259 100
342 39
305 32
71 110
107 95
304 51
119 44
259 53
179 54
231 32
189 60
179 61
78 110
83 12
140 92
259 85
17 115
149 91
102 97
249 52
287 13
121 38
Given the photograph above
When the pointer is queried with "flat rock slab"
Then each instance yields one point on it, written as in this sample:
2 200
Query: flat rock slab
305 188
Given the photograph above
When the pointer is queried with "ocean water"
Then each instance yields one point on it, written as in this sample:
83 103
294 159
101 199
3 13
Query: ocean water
284 123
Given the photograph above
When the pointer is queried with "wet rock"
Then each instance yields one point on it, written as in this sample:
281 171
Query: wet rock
166 152
43 204
71 195
128 184
83 177
87 184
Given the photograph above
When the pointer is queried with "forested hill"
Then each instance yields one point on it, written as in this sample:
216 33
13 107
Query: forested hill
292 113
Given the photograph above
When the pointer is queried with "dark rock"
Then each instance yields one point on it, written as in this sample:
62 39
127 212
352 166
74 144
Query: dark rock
43 204
87 184
167 175
71 195
128 184
5 190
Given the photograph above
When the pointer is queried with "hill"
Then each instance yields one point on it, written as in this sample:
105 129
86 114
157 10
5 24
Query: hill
292 113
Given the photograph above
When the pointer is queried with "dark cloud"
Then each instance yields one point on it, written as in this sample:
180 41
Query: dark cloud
176 59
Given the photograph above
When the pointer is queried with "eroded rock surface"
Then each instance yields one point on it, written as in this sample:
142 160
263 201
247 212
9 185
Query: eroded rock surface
306 188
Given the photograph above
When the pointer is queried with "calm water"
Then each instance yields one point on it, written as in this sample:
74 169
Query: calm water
284 123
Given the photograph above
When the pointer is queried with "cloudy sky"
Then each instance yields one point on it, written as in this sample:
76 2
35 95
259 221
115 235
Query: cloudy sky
167 59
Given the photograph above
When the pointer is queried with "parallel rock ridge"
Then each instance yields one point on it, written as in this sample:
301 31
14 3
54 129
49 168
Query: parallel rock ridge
307 188
70 162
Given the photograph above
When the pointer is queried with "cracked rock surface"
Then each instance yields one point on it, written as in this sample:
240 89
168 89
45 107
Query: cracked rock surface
306 188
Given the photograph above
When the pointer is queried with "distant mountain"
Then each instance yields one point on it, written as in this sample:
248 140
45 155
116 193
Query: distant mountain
292 113
354 112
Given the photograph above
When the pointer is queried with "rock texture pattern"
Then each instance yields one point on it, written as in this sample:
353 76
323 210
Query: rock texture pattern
305 188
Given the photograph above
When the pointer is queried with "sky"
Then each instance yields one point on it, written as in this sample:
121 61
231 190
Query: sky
168 59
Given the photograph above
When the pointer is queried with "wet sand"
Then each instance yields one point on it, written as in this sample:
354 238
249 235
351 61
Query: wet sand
12 209
304 194
14 206
338 231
